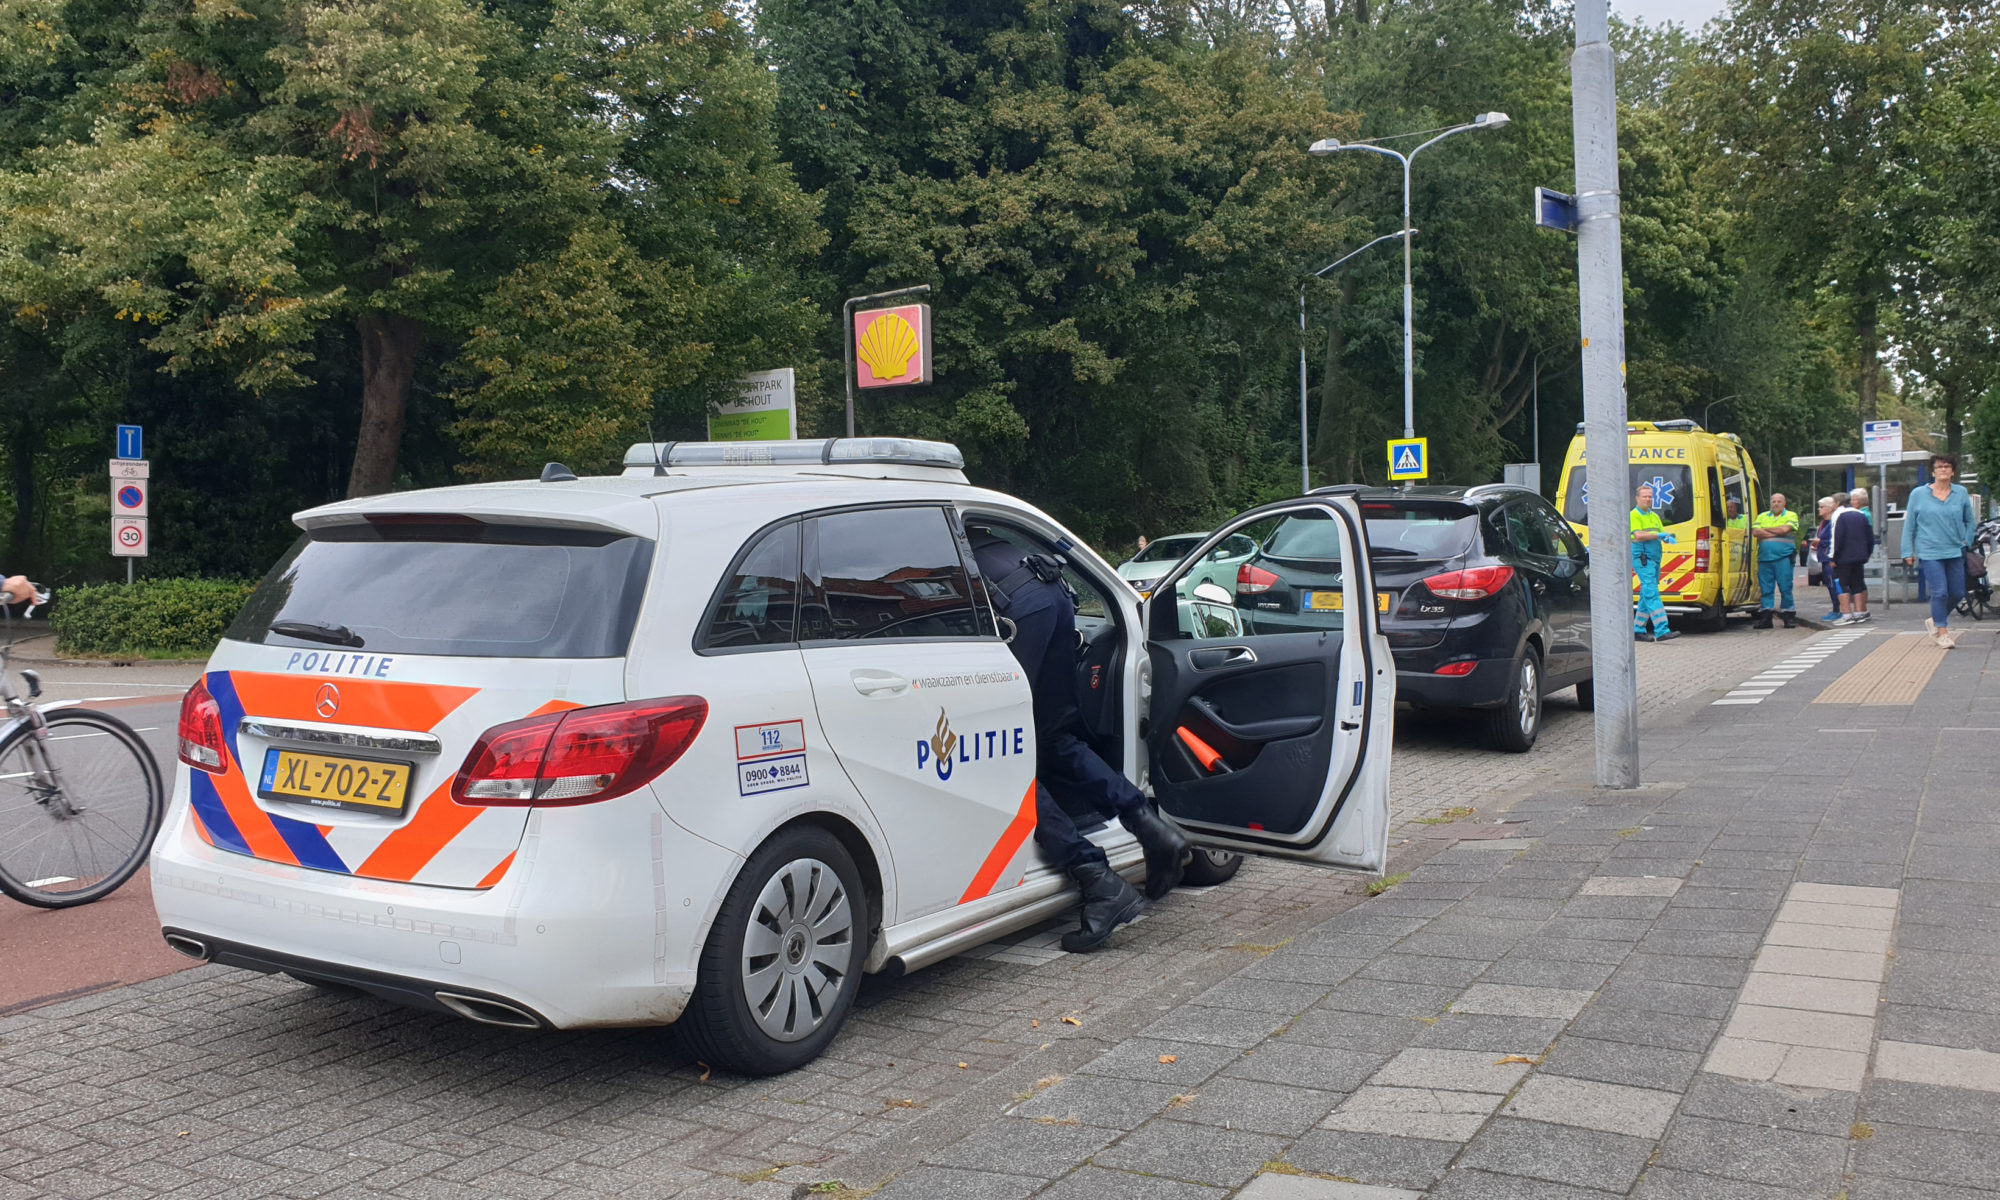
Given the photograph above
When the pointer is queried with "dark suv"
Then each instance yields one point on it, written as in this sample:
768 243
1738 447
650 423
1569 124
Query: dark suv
1484 592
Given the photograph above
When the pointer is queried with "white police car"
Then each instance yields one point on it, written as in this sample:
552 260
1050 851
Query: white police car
706 742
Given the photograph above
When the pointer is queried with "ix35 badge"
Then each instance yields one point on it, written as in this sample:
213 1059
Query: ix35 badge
944 750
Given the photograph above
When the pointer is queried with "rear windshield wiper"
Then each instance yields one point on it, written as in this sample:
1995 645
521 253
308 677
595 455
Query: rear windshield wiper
1406 552
312 631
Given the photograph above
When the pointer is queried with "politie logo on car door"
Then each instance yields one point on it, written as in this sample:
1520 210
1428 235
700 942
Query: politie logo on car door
770 757
945 751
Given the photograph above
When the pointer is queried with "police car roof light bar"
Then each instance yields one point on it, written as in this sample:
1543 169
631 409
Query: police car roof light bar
914 452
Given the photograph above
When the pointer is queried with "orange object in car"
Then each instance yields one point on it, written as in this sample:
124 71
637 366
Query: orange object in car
1204 753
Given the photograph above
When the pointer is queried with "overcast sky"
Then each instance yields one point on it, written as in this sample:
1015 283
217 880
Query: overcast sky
1691 13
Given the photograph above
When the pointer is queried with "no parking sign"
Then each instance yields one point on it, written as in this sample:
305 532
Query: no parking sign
128 497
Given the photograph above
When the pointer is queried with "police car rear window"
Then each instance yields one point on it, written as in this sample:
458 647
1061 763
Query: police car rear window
465 589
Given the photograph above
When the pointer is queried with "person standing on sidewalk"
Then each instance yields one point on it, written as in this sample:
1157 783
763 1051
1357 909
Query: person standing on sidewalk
1829 508
1850 544
1648 531
1776 532
1938 522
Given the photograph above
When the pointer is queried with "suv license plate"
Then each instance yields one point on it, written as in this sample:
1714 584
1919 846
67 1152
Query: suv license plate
329 782
1336 602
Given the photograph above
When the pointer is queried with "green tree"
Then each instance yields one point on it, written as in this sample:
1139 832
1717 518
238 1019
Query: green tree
235 179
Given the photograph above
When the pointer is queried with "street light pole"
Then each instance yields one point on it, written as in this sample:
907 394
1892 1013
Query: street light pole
1327 146
1305 475
847 334
1712 404
1601 300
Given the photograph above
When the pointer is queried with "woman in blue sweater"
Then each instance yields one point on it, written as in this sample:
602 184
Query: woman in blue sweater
1937 531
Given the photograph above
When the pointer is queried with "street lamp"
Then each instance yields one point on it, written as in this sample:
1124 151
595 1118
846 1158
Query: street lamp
1305 474
1712 404
1326 146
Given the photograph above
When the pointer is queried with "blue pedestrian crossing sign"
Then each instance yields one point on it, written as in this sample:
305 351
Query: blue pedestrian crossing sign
1409 458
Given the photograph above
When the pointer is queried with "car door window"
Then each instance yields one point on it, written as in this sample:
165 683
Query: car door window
1564 545
1527 533
885 573
758 602
1291 581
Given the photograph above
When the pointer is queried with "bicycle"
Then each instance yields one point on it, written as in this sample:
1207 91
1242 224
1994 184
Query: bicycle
77 814
1978 598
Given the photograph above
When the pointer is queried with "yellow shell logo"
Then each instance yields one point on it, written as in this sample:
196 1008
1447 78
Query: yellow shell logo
887 346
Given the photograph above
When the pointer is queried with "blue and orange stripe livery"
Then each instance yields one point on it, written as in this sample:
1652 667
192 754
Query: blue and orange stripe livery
228 817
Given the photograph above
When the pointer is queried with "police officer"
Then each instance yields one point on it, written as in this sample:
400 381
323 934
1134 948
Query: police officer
1029 591
1776 532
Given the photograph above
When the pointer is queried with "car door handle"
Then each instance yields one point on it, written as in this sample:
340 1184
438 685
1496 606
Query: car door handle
1275 729
878 683
1210 658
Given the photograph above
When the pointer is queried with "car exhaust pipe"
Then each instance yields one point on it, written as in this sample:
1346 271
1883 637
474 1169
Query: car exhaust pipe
488 1011
194 948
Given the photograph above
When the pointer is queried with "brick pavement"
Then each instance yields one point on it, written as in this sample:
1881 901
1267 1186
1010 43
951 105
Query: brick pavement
219 1083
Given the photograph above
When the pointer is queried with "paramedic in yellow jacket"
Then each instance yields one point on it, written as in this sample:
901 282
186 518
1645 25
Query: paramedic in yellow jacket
1648 532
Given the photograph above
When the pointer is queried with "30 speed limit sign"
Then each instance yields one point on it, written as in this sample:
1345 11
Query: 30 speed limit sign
128 537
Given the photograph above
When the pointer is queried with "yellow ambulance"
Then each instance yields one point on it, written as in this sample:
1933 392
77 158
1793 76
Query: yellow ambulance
1705 489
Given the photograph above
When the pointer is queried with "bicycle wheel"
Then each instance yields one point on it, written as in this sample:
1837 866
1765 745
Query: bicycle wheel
79 808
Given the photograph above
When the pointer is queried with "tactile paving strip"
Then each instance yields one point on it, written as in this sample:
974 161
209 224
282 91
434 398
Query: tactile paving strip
1894 673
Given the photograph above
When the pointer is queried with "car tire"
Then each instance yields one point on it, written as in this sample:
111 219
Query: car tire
1514 725
1210 867
1586 696
1715 619
759 1013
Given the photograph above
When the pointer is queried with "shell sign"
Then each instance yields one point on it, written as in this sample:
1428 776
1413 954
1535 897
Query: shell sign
892 346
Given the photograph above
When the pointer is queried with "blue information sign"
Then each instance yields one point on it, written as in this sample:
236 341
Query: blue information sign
1555 210
131 441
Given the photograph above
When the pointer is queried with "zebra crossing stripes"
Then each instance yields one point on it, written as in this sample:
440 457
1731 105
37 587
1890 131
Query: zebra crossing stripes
1821 648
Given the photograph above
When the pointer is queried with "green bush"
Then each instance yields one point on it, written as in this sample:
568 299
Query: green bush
152 618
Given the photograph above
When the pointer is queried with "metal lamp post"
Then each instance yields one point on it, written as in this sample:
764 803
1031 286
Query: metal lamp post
1712 404
1326 146
1305 474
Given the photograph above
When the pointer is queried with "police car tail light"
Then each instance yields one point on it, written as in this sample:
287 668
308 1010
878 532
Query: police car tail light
201 730
580 756
1473 583
1251 580
1701 549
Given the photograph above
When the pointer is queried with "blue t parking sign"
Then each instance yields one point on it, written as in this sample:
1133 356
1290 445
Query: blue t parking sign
131 441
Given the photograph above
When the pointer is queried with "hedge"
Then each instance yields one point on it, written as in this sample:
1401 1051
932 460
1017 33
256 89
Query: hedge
153 618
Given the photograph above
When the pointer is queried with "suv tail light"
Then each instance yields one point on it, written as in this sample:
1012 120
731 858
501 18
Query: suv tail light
201 743
1701 549
1251 580
580 756
1473 583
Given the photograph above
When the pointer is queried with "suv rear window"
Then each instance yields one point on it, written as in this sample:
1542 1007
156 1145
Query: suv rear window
461 588
1415 529
1673 492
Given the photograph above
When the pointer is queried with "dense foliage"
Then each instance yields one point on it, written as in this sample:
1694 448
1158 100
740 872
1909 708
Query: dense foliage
154 616
330 247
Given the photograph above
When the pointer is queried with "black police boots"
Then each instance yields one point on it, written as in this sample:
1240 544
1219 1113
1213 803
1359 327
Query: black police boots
1166 850
1108 902
1790 617
1763 620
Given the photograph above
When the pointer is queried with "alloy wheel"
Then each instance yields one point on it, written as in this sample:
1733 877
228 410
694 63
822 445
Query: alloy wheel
1529 705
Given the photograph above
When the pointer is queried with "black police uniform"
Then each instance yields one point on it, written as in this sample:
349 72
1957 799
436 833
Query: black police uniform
1029 591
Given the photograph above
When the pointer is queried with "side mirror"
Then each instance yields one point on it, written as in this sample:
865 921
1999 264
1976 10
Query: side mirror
1213 594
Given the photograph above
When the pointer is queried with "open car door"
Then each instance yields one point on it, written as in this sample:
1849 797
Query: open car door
1273 736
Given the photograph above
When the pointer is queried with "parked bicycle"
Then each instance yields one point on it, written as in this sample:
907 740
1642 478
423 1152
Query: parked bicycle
81 797
1978 599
